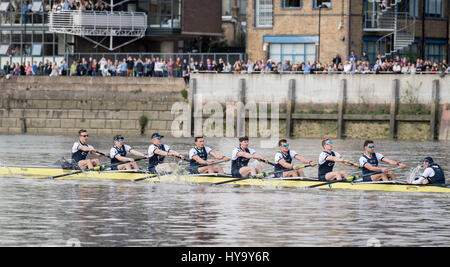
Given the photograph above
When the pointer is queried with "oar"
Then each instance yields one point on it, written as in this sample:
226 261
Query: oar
265 174
145 178
262 175
188 168
349 178
101 153
249 177
347 162
203 165
96 168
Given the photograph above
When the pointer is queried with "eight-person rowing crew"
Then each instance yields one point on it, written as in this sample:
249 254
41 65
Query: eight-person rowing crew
241 156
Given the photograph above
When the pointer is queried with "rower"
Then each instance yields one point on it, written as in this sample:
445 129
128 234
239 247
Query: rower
156 154
81 149
327 159
119 152
283 160
240 158
199 156
369 164
432 174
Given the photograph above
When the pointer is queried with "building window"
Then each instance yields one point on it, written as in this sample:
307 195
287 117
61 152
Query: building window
295 53
433 8
435 51
324 3
409 6
292 3
227 6
411 52
263 13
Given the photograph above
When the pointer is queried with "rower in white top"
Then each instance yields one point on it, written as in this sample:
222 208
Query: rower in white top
156 154
80 151
198 156
241 156
327 159
283 161
119 152
369 163
432 174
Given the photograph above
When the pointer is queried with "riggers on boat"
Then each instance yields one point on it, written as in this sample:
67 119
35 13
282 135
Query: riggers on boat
36 172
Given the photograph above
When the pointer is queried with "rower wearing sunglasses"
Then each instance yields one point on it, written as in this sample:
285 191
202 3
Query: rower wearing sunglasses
119 152
327 159
81 149
369 163
156 155
283 160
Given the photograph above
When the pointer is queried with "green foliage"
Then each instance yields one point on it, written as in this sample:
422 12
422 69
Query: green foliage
143 120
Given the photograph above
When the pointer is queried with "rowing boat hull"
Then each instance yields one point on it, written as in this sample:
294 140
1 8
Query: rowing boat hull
47 172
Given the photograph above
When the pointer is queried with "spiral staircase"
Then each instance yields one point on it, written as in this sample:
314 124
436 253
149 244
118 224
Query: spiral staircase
398 28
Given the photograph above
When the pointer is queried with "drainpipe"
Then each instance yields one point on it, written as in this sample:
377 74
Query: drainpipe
448 31
347 37
422 49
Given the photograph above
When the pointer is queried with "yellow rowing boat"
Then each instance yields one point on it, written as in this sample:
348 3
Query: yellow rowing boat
36 172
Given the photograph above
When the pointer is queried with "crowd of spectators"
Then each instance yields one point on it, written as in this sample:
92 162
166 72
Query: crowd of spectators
83 5
182 68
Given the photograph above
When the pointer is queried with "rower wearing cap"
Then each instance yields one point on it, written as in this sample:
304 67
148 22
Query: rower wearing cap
327 159
156 154
283 161
199 156
119 152
240 158
81 149
432 174
369 163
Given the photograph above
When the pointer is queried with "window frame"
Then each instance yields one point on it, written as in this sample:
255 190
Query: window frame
434 15
315 6
256 21
283 5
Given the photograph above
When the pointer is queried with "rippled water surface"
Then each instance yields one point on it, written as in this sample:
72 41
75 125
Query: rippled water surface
56 213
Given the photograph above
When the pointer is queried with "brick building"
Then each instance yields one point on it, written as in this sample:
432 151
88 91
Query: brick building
290 29
41 30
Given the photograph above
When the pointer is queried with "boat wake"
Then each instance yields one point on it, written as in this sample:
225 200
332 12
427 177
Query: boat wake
414 173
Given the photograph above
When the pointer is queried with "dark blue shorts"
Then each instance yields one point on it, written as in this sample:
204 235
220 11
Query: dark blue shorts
236 174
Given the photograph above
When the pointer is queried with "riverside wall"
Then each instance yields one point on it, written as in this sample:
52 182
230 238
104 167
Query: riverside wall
388 106
410 107
104 105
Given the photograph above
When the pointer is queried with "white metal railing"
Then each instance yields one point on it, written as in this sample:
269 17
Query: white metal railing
91 23
402 37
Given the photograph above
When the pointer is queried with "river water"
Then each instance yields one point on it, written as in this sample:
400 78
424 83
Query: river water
87 213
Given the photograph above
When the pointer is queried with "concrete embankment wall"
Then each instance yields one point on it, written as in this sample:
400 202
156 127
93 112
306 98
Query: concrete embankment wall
105 106
414 107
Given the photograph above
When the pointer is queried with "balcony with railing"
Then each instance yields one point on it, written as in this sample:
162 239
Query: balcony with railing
103 23
93 23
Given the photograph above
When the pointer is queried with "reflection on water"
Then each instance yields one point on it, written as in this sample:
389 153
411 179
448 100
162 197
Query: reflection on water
51 213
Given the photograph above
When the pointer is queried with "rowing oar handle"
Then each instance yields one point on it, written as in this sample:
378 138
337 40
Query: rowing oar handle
267 162
350 163
101 153
265 174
